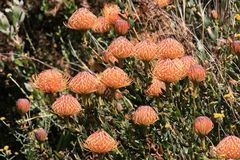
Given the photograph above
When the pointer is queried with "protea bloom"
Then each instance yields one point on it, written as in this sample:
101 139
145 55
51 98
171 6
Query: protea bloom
145 50
169 70
41 134
100 142
50 81
145 115
101 25
83 83
196 73
156 87
235 47
170 48
111 12
23 105
229 147
121 26
163 3
101 88
66 105
120 47
202 125
81 19
115 77
188 61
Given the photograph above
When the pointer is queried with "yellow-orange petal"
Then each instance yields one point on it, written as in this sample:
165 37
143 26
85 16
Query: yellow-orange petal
83 83
202 125
170 48
100 142
66 105
196 73
229 147
81 19
168 70
145 115
156 87
101 25
145 50
115 77
120 47
50 81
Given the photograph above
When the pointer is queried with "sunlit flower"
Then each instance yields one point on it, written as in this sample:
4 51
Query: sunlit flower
218 115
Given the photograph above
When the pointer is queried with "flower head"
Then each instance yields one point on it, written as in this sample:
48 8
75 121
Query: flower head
120 47
50 81
229 147
81 19
100 142
196 73
145 50
202 125
163 3
23 105
156 87
101 25
84 83
115 77
145 115
170 48
66 105
41 134
121 26
111 12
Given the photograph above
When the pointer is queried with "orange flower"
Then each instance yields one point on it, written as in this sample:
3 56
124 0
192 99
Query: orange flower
169 70
235 46
50 81
188 61
41 135
66 105
23 105
145 115
202 125
196 73
115 77
100 142
163 3
170 48
120 47
214 14
111 12
145 50
229 147
156 87
101 25
81 19
84 83
108 57
121 26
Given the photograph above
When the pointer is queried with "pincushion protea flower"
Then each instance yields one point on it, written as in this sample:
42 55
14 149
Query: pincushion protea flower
101 25
121 26
83 83
145 50
100 142
41 134
50 81
115 77
163 3
229 147
145 115
196 73
188 61
23 105
202 125
81 19
235 46
156 87
66 105
120 47
170 48
111 12
169 70
101 88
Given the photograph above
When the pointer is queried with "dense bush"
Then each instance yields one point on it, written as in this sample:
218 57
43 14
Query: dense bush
122 79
